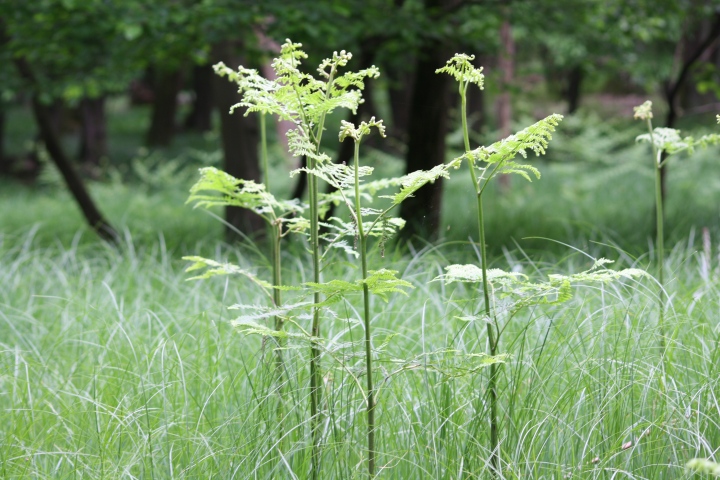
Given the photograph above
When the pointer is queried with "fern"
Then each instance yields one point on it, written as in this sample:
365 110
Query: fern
534 138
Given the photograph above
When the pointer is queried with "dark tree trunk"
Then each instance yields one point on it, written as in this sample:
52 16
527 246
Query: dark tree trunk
200 117
574 84
240 136
166 86
50 138
690 57
2 138
426 140
93 131
401 94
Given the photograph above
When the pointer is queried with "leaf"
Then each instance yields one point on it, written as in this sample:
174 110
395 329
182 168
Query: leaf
412 182
253 328
217 268
383 281
347 129
217 188
669 140
703 465
534 138
644 111
473 273
461 68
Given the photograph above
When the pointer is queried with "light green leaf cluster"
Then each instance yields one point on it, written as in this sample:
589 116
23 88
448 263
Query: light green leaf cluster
217 188
299 97
340 176
534 138
379 282
557 289
215 268
644 111
703 465
249 327
473 273
668 140
347 129
463 71
413 181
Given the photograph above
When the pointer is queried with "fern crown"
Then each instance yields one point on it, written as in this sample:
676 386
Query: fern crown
461 68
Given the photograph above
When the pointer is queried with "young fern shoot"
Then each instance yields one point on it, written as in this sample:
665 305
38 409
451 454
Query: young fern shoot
305 100
664 142
349 130
489 162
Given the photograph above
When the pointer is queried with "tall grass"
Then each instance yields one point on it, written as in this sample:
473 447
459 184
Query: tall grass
113 366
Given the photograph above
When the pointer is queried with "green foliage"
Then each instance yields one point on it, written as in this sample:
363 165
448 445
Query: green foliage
460 67
556 290
534 138
217 188
703 465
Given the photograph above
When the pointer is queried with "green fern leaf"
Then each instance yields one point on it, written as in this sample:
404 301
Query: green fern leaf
534 138
462 70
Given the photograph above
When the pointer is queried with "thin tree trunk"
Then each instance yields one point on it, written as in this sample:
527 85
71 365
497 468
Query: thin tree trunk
52 143
166 86
574 84
400 94
3 160
93 131
674 88
200 117
427 127
240 137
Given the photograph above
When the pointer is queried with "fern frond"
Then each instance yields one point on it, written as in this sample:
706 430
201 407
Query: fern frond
463 71
473 273
382 282
669 140
340 176
222 189
347 129
215 268
412 182
644 111
703 465
534 138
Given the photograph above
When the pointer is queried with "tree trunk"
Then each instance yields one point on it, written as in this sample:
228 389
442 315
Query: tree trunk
3 160
52 143
93 131
574 82
240 137
400 93
166 86
427 125
200 117
690 57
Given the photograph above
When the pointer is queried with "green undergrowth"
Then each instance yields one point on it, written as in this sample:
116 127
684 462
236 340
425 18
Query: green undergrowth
112 365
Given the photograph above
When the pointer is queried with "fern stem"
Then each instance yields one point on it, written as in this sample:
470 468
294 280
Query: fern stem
315 377
370 400
264 153
492 382
275 233
659 236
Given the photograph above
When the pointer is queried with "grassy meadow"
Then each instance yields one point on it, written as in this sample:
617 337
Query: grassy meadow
113 365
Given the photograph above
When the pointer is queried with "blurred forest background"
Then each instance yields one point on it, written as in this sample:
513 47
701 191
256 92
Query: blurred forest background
107 108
